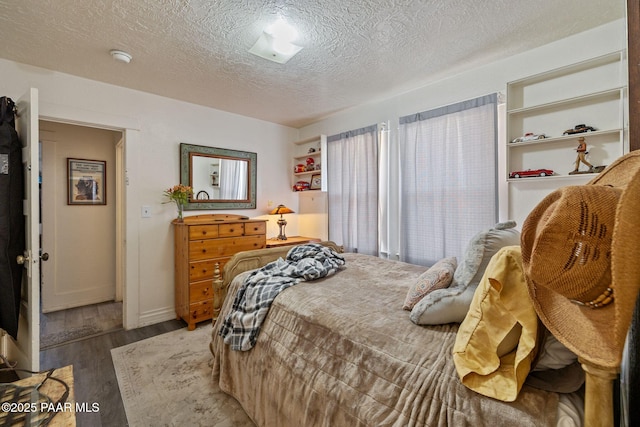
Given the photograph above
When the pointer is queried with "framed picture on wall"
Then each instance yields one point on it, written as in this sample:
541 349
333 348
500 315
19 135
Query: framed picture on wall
316 182
87 182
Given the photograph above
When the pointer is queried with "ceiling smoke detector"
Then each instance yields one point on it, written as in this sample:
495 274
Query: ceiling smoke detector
121 56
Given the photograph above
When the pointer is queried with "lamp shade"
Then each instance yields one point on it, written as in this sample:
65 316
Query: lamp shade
281 209
282 223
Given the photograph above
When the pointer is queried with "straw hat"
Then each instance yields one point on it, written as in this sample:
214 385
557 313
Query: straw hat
580 251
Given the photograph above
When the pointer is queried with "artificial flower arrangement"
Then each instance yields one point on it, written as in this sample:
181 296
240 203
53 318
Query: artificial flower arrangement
179 194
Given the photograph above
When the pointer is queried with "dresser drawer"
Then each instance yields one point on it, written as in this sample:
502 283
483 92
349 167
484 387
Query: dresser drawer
200 270
231 230
203 232
199 311
223 247
253 228
201 291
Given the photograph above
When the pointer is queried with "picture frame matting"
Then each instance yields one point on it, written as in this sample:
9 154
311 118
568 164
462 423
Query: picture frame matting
86 182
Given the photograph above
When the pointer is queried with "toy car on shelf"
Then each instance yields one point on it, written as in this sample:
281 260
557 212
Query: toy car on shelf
529 136
301 186
531 172
579 129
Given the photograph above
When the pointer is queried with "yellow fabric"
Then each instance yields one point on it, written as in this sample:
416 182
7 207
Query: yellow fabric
496 342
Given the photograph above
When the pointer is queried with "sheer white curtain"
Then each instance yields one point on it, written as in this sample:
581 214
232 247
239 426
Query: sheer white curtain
448 178
233 179
352 189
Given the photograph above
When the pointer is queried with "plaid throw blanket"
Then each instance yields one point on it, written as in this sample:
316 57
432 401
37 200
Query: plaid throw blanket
253 300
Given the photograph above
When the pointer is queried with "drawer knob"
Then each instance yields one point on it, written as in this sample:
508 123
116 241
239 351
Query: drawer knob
205 291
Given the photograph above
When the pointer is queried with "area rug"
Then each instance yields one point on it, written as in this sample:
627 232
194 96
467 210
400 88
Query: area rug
166 381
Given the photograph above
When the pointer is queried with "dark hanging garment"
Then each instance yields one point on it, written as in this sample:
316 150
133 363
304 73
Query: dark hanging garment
12 239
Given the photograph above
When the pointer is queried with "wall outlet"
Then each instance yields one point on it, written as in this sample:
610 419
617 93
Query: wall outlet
146 212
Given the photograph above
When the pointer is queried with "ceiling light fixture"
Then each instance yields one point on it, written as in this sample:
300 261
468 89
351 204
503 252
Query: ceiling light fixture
275 42
121 56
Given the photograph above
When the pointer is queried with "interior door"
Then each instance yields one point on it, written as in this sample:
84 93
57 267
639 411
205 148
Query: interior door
26 349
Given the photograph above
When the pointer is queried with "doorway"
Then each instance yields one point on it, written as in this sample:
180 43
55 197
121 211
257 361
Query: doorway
80 282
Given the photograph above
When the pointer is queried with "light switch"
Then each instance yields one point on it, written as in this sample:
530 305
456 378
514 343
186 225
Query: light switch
146 212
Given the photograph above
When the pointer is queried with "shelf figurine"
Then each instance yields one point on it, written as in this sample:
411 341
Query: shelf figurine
580 158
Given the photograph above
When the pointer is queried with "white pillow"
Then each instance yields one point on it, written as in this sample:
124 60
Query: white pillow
452 304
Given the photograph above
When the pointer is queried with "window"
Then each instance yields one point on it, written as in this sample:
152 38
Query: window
448 178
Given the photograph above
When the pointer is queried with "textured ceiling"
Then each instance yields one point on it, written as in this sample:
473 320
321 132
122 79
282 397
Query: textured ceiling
354 51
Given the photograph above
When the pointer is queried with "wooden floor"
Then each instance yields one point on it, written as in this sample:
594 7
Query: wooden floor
80 322
94 376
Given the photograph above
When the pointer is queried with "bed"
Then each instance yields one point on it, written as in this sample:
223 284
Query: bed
340 351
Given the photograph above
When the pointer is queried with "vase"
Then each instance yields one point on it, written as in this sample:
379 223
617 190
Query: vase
180 211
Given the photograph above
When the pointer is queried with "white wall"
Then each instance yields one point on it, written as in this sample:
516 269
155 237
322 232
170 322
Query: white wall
478 82
162 124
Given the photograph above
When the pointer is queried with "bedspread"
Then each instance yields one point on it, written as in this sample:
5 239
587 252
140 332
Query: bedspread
341 351
251 304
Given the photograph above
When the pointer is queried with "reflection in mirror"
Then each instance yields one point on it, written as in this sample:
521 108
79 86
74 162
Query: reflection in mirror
220 178
216 178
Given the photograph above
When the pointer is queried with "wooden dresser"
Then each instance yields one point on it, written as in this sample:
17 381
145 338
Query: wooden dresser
202 243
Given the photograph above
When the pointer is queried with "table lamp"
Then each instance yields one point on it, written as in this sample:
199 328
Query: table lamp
282 223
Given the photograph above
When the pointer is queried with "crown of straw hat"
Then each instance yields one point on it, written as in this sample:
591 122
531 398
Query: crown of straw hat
579 254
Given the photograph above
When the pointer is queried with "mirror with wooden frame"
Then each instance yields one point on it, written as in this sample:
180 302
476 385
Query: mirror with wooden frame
220 178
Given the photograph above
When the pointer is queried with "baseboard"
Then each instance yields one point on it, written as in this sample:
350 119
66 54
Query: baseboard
156 316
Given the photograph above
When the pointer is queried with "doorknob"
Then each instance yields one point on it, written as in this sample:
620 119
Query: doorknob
21 259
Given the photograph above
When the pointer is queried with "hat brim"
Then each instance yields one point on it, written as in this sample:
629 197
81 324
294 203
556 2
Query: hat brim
579 328
625 251
619 173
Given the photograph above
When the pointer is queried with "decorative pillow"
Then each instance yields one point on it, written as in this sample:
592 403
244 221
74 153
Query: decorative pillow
439 276
452 304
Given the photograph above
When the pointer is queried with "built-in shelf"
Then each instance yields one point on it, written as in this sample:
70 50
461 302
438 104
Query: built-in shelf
591 92
317 159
